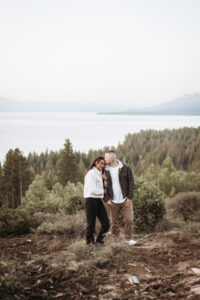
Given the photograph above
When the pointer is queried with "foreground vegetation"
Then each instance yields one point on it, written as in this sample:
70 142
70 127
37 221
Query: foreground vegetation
38 264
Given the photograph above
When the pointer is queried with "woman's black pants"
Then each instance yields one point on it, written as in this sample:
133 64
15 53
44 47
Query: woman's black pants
95 208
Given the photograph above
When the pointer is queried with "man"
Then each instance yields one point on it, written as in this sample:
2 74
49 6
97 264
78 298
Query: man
119 192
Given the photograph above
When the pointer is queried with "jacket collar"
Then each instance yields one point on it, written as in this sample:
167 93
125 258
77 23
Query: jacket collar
107 167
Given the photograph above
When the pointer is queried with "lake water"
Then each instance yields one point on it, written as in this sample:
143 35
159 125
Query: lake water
40 131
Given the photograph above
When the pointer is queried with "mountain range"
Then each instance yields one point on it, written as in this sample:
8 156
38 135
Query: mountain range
185 105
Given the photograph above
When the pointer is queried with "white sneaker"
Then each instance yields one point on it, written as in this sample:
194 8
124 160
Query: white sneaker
131 242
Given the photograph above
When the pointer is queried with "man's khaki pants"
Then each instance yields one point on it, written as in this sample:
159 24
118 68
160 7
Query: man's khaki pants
127 213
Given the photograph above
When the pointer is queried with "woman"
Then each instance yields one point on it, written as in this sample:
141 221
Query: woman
93 194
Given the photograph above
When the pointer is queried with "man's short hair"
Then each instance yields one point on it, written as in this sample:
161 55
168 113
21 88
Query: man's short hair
111 153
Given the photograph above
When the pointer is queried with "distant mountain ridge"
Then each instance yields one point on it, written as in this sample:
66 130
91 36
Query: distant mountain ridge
185 105
8 105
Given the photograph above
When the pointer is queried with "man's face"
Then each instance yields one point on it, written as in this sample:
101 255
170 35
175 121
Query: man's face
108 159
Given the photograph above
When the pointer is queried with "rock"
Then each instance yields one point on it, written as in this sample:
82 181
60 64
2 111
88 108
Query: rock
106 287
196 289
133 279
196 271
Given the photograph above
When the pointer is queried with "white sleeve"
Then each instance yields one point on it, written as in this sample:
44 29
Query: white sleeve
90 185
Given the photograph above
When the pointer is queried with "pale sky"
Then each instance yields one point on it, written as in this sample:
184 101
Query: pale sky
129 51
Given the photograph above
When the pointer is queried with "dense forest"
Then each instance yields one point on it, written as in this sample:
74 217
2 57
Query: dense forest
139 150
168 158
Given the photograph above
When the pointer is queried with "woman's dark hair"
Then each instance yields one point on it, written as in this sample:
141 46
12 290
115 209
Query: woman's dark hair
97 160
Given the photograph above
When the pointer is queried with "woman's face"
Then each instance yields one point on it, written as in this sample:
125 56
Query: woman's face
100 165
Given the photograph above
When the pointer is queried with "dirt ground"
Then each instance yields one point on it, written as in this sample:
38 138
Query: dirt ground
167 266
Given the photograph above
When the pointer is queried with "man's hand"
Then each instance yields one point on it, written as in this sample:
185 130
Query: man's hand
127 202
105 191
110 203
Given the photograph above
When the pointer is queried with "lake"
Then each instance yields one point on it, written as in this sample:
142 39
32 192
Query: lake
40 131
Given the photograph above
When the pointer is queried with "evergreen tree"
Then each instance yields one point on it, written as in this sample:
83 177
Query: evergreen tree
37 195
1 187
17 177
67 168
139 151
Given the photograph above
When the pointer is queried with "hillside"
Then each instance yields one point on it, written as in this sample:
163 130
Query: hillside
139 150
185 105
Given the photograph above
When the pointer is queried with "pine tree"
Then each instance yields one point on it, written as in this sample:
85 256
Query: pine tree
1 187
17 177
67 168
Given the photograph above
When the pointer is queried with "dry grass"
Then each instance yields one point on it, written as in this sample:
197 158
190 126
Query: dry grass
86 258
186 206
193 227
70 225
177 236
167 225
183 213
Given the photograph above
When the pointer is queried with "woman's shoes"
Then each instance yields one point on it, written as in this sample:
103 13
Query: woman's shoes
99 242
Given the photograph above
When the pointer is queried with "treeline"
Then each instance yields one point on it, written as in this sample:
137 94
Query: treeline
139 150
153 147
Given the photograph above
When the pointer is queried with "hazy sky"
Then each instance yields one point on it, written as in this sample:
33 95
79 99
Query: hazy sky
128 51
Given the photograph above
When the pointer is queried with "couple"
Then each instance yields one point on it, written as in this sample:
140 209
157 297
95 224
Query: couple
111 180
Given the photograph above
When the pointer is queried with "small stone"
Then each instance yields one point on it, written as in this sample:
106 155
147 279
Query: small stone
196 271
133 279
196 289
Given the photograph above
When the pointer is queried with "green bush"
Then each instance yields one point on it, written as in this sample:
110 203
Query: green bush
187 206
148 206
74 204
8 285
39 199
13 221
73 198
172 181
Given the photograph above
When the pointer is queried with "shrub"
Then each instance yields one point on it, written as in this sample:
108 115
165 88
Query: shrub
64 224
13 221
187 206
148 206
73 205
39 199
83 258
73 198
8 284
172 181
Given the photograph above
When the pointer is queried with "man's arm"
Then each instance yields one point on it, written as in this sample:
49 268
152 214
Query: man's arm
130 184
106 197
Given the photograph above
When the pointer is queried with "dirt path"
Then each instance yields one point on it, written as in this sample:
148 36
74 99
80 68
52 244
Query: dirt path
167 266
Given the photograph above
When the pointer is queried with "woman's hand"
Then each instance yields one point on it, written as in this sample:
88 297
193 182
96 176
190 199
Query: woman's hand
104 176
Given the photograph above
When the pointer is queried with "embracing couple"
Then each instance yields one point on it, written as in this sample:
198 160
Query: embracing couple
112 181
